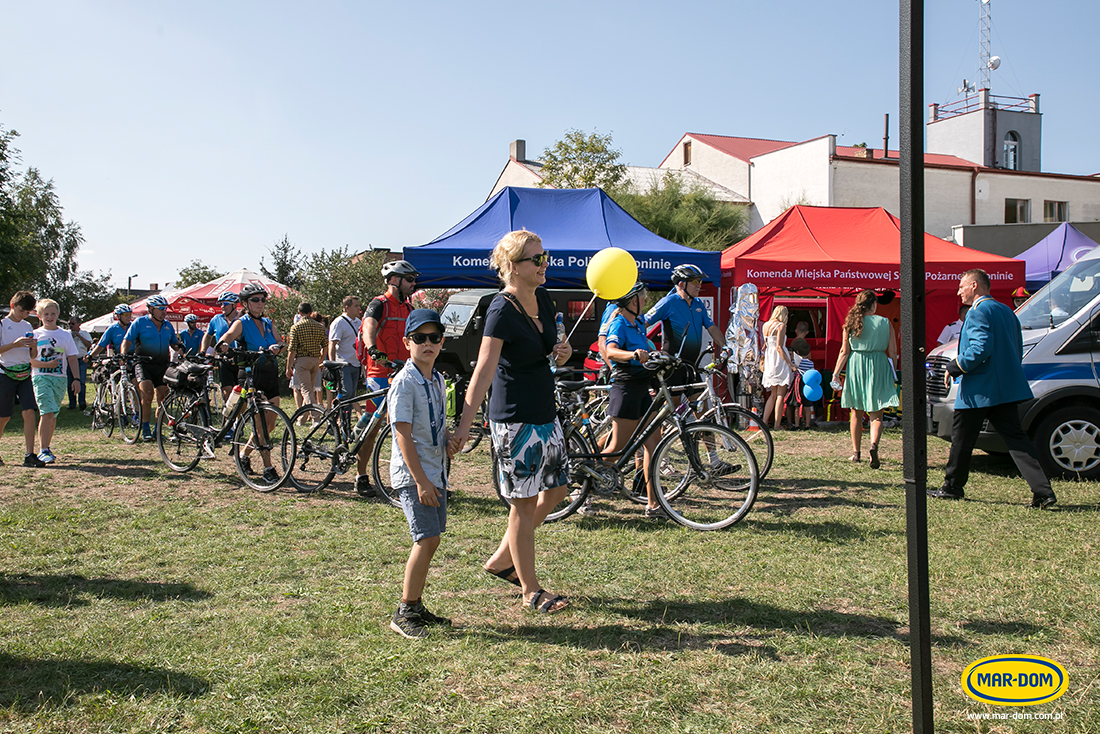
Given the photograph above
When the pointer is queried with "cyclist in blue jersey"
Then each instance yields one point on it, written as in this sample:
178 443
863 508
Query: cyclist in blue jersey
116 332
192 336
215 330
151 336
683 317
255 332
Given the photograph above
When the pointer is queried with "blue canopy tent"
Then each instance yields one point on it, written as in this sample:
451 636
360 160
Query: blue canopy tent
574 225
1053 254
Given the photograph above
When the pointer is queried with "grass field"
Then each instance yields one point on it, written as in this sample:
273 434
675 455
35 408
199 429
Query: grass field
133 599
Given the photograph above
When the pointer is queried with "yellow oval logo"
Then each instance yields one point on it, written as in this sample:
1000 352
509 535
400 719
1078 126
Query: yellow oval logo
1014 680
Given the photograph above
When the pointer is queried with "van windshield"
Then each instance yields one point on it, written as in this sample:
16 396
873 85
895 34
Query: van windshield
455 316
1061 298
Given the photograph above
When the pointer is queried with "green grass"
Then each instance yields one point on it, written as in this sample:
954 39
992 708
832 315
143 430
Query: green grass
136 599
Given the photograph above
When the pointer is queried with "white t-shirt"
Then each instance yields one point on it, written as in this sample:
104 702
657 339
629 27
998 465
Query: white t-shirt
343 332
54 343
81 348
10 331
950 332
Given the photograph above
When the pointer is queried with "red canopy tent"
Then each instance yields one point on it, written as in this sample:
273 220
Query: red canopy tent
209 292
834 252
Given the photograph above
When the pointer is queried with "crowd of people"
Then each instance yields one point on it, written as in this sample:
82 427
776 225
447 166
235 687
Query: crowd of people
521 342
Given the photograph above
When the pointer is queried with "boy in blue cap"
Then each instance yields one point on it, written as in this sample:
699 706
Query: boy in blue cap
418 472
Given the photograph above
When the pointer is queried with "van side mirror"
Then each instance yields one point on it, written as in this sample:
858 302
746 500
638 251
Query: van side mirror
479 321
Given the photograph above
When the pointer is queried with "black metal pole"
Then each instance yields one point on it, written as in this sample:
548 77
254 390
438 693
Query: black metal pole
914 396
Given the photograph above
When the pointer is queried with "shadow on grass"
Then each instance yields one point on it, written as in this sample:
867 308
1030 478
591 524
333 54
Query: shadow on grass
66 590
134 468
825 531
987 627
29 685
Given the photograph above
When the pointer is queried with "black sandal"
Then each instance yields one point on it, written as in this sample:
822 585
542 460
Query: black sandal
874 457
546 607
506 574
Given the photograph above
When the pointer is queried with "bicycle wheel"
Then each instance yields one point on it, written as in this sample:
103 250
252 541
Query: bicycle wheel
707 477
380 465
315 465
579 483
748 426
128 412
103 417
264 439
181 430
479 429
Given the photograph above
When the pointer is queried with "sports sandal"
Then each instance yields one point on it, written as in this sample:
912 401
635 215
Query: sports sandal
509 574
550 606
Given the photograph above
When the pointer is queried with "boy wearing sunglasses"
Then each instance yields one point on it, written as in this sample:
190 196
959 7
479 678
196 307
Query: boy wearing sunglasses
417 413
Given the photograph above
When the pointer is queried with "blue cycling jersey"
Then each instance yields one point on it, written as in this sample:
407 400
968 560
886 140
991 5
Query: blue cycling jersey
191 342
629 337
113 337
682 325
253 340
152 340
219 325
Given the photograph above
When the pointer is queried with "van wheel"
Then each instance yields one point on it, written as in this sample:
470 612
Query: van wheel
1068 441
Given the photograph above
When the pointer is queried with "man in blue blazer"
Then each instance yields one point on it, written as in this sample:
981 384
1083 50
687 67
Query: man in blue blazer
992 386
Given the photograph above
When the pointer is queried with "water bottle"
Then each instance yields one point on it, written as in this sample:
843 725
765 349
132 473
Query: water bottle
559 320
836 384
231 404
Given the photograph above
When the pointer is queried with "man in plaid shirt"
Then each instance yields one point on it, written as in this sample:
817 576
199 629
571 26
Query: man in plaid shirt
305 347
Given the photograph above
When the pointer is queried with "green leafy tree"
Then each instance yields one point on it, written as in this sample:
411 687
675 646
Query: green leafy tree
286 264
580 161
688 216
196 272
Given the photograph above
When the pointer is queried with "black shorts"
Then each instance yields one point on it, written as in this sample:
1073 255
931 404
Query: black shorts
227 375
151 371
265 378
684 375
9 389
629 400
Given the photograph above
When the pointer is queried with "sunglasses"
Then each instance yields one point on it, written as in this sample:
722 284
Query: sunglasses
695 281
420 337
539 260
409 278
258 299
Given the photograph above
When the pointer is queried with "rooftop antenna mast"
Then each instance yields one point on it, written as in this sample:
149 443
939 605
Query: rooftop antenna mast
985 65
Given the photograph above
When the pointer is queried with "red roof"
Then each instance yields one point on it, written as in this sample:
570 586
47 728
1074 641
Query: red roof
833 248
935 159
748 148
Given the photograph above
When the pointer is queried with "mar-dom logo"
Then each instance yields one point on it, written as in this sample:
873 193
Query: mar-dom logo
1014 680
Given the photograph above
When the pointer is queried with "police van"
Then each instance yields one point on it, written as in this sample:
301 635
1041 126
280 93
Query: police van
1061 336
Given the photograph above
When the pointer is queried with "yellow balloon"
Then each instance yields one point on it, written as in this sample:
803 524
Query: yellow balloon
611 273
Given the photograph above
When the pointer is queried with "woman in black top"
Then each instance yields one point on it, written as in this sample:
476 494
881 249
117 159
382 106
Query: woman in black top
520 334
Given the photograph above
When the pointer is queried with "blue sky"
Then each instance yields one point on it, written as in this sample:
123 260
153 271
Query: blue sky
200 129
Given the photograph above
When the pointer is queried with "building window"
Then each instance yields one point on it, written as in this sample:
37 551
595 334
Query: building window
1055 211
687 153
1012 151
1017 211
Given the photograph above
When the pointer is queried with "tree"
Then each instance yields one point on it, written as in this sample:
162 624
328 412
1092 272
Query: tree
38 248
580 161
687 216
196 272
286 264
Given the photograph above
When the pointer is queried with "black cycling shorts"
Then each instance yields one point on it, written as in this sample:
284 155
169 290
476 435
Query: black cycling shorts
227 375
265 378
151 371
629 400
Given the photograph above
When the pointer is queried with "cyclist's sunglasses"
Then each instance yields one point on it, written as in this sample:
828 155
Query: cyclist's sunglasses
409 278
539 260
420 337
258 299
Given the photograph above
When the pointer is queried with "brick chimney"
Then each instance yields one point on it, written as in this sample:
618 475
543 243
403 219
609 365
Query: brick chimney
518 150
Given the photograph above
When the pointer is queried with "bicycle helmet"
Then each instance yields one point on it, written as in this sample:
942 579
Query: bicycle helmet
252 289
635 289
687 272
190 319
123 308
228 297
399 267
156 302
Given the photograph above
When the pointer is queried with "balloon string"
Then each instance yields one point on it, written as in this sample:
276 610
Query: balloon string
579 319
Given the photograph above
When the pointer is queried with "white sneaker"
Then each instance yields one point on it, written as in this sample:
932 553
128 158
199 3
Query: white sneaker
46 456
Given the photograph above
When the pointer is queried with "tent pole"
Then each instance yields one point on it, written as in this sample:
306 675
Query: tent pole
914 395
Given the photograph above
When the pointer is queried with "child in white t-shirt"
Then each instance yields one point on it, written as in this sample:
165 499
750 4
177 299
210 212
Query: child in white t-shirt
53 365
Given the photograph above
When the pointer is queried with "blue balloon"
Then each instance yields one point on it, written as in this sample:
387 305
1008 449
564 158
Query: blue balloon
812 377
812 392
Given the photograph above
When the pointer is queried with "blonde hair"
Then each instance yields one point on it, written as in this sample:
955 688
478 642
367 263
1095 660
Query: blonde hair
44 303
779 313
508 250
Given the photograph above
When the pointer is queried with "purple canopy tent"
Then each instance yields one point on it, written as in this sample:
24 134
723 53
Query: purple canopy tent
1053 254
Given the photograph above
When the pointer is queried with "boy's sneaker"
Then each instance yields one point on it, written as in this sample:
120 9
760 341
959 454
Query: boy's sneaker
429 619
33 461
364 487
407 623
271 476
46 456
246 464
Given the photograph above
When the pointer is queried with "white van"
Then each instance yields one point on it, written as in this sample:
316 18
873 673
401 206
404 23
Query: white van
1061 330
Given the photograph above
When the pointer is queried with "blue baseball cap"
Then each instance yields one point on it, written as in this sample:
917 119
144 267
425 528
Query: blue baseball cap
419 317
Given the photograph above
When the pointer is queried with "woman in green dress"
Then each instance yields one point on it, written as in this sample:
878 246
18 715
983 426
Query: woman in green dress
868 351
